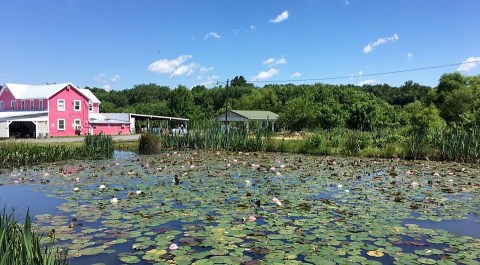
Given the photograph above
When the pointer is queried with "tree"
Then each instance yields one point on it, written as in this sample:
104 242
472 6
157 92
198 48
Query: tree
238 81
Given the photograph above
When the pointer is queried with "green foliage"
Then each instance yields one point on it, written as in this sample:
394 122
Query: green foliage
149 144
99 146
20 245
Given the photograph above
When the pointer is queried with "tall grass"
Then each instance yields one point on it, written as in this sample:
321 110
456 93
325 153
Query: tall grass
98 146
20 154
244 136
20 245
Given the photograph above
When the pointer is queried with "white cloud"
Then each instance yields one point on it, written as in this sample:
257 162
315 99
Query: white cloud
99 78
165 66
296 74
369 48
469 64
273 61
368 82
266 74
213 35
409 55
115 78
204 69
186 69
106 87
208 81
283 16
347 3
252 27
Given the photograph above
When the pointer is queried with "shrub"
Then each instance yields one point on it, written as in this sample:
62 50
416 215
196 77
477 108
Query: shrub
148 144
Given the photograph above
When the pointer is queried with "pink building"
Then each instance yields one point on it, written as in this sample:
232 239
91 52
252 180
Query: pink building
54 110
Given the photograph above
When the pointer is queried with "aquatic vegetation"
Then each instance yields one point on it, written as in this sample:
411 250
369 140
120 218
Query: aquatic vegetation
20 245
321 210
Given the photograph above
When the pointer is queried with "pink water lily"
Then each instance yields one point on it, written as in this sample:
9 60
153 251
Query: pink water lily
173 246
252 218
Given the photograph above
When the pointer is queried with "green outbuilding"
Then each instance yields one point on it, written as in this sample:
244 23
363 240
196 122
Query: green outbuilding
248 115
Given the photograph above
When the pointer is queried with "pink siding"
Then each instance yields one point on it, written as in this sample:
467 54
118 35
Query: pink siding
69 115
110 129
7 97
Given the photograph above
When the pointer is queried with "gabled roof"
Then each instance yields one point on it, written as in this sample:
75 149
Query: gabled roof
23 91
256 114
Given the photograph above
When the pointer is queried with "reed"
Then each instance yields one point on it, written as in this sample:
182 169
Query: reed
98 146
20 245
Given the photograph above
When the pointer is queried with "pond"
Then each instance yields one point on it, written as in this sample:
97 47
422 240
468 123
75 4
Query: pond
251 208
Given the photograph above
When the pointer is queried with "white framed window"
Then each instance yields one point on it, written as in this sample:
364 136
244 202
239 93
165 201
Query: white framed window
1 105
77 124
61 104
77 105
61 124
12 105
90 107
23 104
32 106
40 104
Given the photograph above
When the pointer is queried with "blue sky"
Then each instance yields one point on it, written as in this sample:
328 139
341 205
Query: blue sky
118 44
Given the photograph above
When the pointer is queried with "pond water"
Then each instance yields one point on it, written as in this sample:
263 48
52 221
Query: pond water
248 208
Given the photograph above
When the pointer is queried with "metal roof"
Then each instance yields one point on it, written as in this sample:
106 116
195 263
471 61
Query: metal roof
156 117
256 114
23 91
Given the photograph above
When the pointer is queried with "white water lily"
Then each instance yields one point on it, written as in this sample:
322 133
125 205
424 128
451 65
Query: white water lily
102 187
76 189
114 200
340 186
277 201
248 182
77 180
138 192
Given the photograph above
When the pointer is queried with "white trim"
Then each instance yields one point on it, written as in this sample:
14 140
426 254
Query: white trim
79 105
32 104
12 104
58 124
75 124
58 104
40 104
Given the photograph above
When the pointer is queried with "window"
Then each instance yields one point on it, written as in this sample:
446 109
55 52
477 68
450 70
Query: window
23 104
1 105
31 104
61 124
61 104
90 107
40 104
77 124
76 105
12 105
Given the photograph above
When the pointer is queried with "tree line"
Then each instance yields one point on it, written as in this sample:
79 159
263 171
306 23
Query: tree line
454 101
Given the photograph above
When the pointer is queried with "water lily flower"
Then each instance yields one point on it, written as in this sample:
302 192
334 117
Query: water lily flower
228 165
117 164
46 174
340 186
146 166
463 190
102 187
409 173
255 166
173 246
248 182
114 200
347 191
277 201
436 174
272 168
278 174
192 167
252 218
282 166
16 181
76 189
414 184
235 160
77 180
138 192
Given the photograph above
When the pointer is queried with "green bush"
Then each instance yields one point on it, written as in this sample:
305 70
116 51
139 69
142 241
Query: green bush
149 144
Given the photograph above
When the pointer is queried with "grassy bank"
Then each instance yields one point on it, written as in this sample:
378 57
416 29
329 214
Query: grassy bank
19 154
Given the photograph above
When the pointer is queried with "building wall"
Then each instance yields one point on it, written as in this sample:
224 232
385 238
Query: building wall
4 133
111 129
69 114
42 129
7 97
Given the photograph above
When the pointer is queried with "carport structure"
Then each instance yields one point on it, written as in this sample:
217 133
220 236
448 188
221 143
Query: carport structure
141 122
26 124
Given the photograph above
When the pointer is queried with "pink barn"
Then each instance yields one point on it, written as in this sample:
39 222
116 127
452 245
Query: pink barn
54 110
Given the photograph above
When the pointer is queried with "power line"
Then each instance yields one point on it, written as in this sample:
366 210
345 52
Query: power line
362 75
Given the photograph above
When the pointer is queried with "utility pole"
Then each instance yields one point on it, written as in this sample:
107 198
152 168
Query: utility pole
226 105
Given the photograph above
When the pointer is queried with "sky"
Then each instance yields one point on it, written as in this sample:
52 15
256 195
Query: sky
116 44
